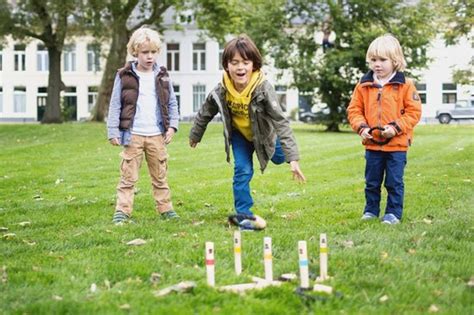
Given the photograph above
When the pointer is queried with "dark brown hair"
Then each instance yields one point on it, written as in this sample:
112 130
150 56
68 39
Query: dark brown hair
243 45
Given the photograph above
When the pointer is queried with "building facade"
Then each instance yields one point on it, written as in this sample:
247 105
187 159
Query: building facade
435 85
194 65
24 79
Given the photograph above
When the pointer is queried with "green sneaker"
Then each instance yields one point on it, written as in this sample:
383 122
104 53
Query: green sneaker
120 217
169 215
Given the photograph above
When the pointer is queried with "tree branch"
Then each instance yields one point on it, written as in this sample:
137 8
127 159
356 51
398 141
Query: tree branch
159 7
61 28
131 4
45 19
26 33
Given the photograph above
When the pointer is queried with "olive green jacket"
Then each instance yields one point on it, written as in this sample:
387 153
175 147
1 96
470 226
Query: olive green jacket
266 118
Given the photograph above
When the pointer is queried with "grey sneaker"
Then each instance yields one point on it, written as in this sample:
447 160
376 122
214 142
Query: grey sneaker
247 225
169 215
390 219
247 222
368 216
120 217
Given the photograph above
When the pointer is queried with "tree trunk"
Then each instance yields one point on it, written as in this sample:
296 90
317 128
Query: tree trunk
332 126
52 112
115 60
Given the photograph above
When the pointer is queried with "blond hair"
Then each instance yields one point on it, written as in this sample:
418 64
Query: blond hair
141 36
387 46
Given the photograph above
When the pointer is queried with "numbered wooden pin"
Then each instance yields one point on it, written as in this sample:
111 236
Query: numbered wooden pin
303 261
237 253
323 258
267 258
210 264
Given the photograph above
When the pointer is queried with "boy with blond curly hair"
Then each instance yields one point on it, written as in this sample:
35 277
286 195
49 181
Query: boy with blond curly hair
384 109
143 118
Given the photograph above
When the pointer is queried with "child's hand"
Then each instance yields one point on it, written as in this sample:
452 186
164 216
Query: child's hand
192 143
169 135
297 173
388 132
364 133
114 141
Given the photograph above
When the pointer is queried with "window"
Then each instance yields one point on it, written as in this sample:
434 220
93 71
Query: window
41 100
178 96
199 56
42 62
449 86
69 105
199 95
92 93
93 57
1 99
449 93
69 56
185 17
281 96
449 98
172 57
221 53
19 57
42 96
19 99
1 60
421 88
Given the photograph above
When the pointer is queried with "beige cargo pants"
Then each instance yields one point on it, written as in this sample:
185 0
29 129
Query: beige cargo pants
154 149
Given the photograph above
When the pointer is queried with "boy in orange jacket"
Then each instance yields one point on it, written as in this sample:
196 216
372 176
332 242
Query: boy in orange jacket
384 109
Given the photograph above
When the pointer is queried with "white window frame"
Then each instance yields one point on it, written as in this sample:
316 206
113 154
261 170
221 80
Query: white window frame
19 59
177 93
446 91
93 58
69 58
43 96
199 55
199 96
92 94
185 17
172 57
421 89
221 54
281 94
19 99
42 59
1 99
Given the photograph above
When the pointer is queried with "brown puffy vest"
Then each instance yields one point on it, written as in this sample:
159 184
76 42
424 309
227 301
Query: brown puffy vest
129 96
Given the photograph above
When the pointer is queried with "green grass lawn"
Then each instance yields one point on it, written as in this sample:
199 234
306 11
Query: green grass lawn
62 179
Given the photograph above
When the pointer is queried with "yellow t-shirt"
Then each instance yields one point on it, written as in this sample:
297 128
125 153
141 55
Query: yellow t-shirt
238 103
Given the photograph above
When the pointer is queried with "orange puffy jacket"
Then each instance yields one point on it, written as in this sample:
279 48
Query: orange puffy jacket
397 103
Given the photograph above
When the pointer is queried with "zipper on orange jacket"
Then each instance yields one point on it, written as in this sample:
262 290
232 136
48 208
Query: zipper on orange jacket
379 101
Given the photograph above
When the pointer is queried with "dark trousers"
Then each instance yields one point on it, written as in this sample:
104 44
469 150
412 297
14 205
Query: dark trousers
390 165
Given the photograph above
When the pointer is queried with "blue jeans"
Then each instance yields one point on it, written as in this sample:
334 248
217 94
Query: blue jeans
392 165
242 150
